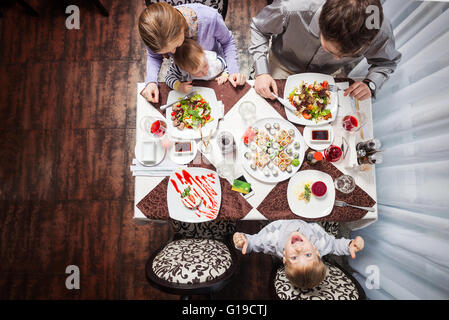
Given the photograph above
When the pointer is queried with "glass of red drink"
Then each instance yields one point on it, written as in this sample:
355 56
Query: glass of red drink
333 153
352 122
154 127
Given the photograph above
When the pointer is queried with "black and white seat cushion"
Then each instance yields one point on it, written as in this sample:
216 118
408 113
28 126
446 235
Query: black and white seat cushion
220 5
191 266
338 285
215 229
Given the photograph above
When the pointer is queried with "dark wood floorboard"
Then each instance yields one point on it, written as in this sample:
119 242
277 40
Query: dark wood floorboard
67 136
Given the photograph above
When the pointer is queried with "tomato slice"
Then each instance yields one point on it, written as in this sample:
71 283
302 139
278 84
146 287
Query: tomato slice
306 115
325 84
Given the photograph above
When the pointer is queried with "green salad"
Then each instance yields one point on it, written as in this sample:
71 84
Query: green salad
191 113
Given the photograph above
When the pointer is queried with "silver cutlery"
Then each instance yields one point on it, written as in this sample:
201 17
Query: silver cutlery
340 203
165 106
284 102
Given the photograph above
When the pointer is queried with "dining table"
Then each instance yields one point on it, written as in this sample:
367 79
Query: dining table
269 201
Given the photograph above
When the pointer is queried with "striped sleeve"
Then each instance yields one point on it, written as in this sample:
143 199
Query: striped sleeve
224 64
173 74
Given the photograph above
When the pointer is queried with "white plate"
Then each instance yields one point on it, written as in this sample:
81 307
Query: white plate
319 146
178 211
159 149
258 174
317 207
185 158
188 134
294 81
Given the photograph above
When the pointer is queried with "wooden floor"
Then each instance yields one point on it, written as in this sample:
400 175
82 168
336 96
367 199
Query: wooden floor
67 134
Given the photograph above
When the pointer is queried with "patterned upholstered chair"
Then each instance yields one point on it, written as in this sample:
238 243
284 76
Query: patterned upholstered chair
220 5
337 285
199 260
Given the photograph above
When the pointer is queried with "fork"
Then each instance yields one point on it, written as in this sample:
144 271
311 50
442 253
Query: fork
340 203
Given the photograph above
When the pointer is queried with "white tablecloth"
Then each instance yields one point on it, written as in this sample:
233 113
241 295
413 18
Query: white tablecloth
233 123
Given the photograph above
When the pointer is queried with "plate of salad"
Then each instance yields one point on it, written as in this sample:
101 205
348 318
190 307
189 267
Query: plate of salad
309 93
199 110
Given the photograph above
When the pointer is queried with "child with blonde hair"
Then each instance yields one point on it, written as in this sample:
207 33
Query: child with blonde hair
192 62
163 28
300 245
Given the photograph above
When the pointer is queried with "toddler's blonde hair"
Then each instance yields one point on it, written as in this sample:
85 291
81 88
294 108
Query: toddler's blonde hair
306 276
189 56
160 24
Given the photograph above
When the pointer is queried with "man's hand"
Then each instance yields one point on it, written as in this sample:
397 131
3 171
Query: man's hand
151 92
240 241
265 85
221 79
185 87
237 79
358 90
356 245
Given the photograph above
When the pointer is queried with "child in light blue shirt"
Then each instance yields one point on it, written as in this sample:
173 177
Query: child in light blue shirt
300 245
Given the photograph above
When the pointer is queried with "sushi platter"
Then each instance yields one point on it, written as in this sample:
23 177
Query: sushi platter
272 150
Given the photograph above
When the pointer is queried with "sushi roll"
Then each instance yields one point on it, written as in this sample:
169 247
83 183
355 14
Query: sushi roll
268 126
289 151
274 172
272 131
296 155
276 126
275 145
289 169
296 145
266 172
253 146
248 155
253 166
270 166
291 132
270 151
256 130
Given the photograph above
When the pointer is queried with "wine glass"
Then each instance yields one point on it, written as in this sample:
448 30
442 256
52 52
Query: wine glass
354 122
153 126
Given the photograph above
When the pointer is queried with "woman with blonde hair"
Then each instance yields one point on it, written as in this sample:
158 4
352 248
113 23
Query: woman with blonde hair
163 29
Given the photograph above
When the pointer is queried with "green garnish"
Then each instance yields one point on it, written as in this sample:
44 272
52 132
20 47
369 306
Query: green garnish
295 162
307 192
186 192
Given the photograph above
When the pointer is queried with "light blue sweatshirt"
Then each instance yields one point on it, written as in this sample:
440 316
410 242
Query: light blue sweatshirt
272 238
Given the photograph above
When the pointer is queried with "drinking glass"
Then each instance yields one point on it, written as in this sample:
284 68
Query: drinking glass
247 111
353 122
153 127
225 170
225 141
333 153
345 183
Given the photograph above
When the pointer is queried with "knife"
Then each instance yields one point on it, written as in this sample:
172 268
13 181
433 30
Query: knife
284 102
191 94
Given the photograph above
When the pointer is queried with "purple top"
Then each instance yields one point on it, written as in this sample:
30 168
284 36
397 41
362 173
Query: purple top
212 35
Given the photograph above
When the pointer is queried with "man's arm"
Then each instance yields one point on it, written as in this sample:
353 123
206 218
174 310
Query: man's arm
382 57
270 21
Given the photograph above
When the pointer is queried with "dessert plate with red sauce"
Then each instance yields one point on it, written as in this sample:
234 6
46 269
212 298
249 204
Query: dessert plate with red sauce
194 195
311 194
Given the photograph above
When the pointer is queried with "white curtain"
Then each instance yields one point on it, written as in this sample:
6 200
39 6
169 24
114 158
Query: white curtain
409 244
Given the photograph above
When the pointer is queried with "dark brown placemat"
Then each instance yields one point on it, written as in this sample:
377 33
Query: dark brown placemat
225 93
233 206
275 205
